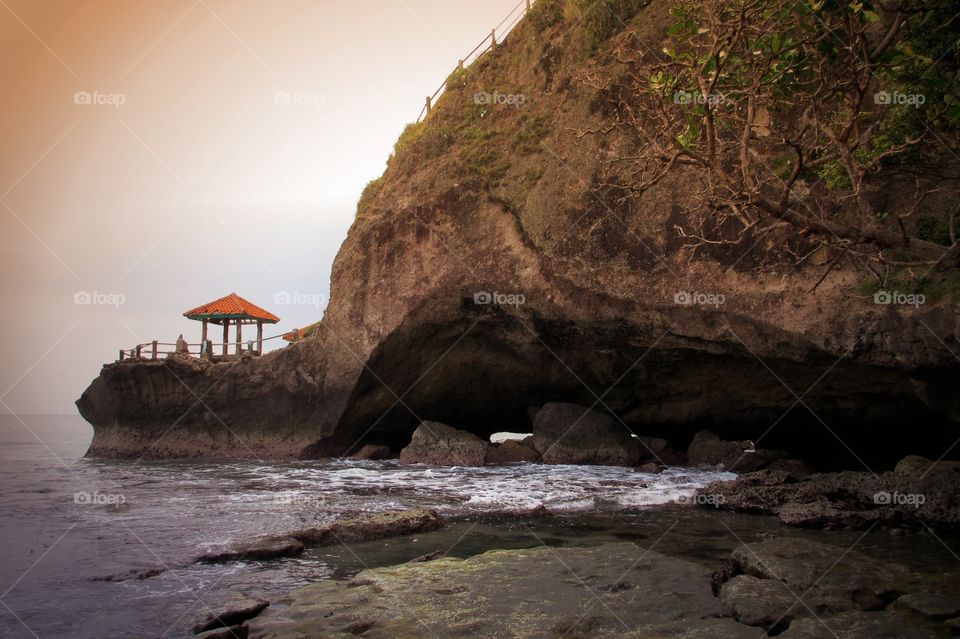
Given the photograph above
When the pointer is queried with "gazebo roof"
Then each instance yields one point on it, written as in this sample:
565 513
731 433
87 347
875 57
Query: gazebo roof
231 307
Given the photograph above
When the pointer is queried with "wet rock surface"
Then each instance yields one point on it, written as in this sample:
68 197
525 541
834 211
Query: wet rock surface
510 452
787 587
571 434
377 526
229 613
810 589
919 493
441 445
707 449
616 590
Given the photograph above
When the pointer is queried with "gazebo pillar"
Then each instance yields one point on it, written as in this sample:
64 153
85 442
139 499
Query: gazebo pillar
226 335
239 337
259 337
203 340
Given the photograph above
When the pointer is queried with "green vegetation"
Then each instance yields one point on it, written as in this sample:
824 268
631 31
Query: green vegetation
410 134
605 18
532 131
488 163
457 79
834 175
933 228
369 192
545 14
933 286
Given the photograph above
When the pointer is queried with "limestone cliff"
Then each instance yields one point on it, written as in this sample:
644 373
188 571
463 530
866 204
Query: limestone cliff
505 260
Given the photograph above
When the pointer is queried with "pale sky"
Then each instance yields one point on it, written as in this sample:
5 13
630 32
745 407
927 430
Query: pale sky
165 153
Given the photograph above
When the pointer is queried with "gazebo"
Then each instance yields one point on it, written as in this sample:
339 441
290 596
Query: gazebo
232 309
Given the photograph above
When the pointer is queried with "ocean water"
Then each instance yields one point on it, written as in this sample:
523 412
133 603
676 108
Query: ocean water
67 522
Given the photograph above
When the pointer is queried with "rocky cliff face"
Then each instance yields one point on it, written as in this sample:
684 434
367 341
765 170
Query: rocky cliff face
499 265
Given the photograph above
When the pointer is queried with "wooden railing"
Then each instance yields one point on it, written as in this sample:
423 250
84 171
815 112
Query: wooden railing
487 44
157 350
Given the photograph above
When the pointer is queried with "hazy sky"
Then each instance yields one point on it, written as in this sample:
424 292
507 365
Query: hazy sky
165 153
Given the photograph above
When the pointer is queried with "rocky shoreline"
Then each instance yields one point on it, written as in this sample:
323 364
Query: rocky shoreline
788 587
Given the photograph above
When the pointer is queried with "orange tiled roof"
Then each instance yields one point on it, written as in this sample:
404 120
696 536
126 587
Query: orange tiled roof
232 306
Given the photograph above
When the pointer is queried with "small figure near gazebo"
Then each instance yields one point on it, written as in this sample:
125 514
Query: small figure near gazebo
231 309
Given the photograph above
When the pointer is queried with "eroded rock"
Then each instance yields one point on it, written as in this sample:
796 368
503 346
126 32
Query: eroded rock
440 445
231 612
542 592
572 434
863 625
376 526
510 452
906 498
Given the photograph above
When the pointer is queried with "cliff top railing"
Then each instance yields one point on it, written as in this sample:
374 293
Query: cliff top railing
489 43
157 350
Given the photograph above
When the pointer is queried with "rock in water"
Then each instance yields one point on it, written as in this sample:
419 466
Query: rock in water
233 611
509 452
372 452
377 526
910 497
440 445
572 434
707 449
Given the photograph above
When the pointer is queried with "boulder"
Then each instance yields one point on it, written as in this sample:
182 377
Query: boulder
233 611
440 445
262 549
572 434
658 450
510 452
707 449
826 576
372 452
932 605
863 625
915 465
766 603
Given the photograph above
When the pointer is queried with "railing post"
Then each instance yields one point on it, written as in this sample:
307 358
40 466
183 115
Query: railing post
493 38
139 347
121 355
154 353
428 104
460 65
